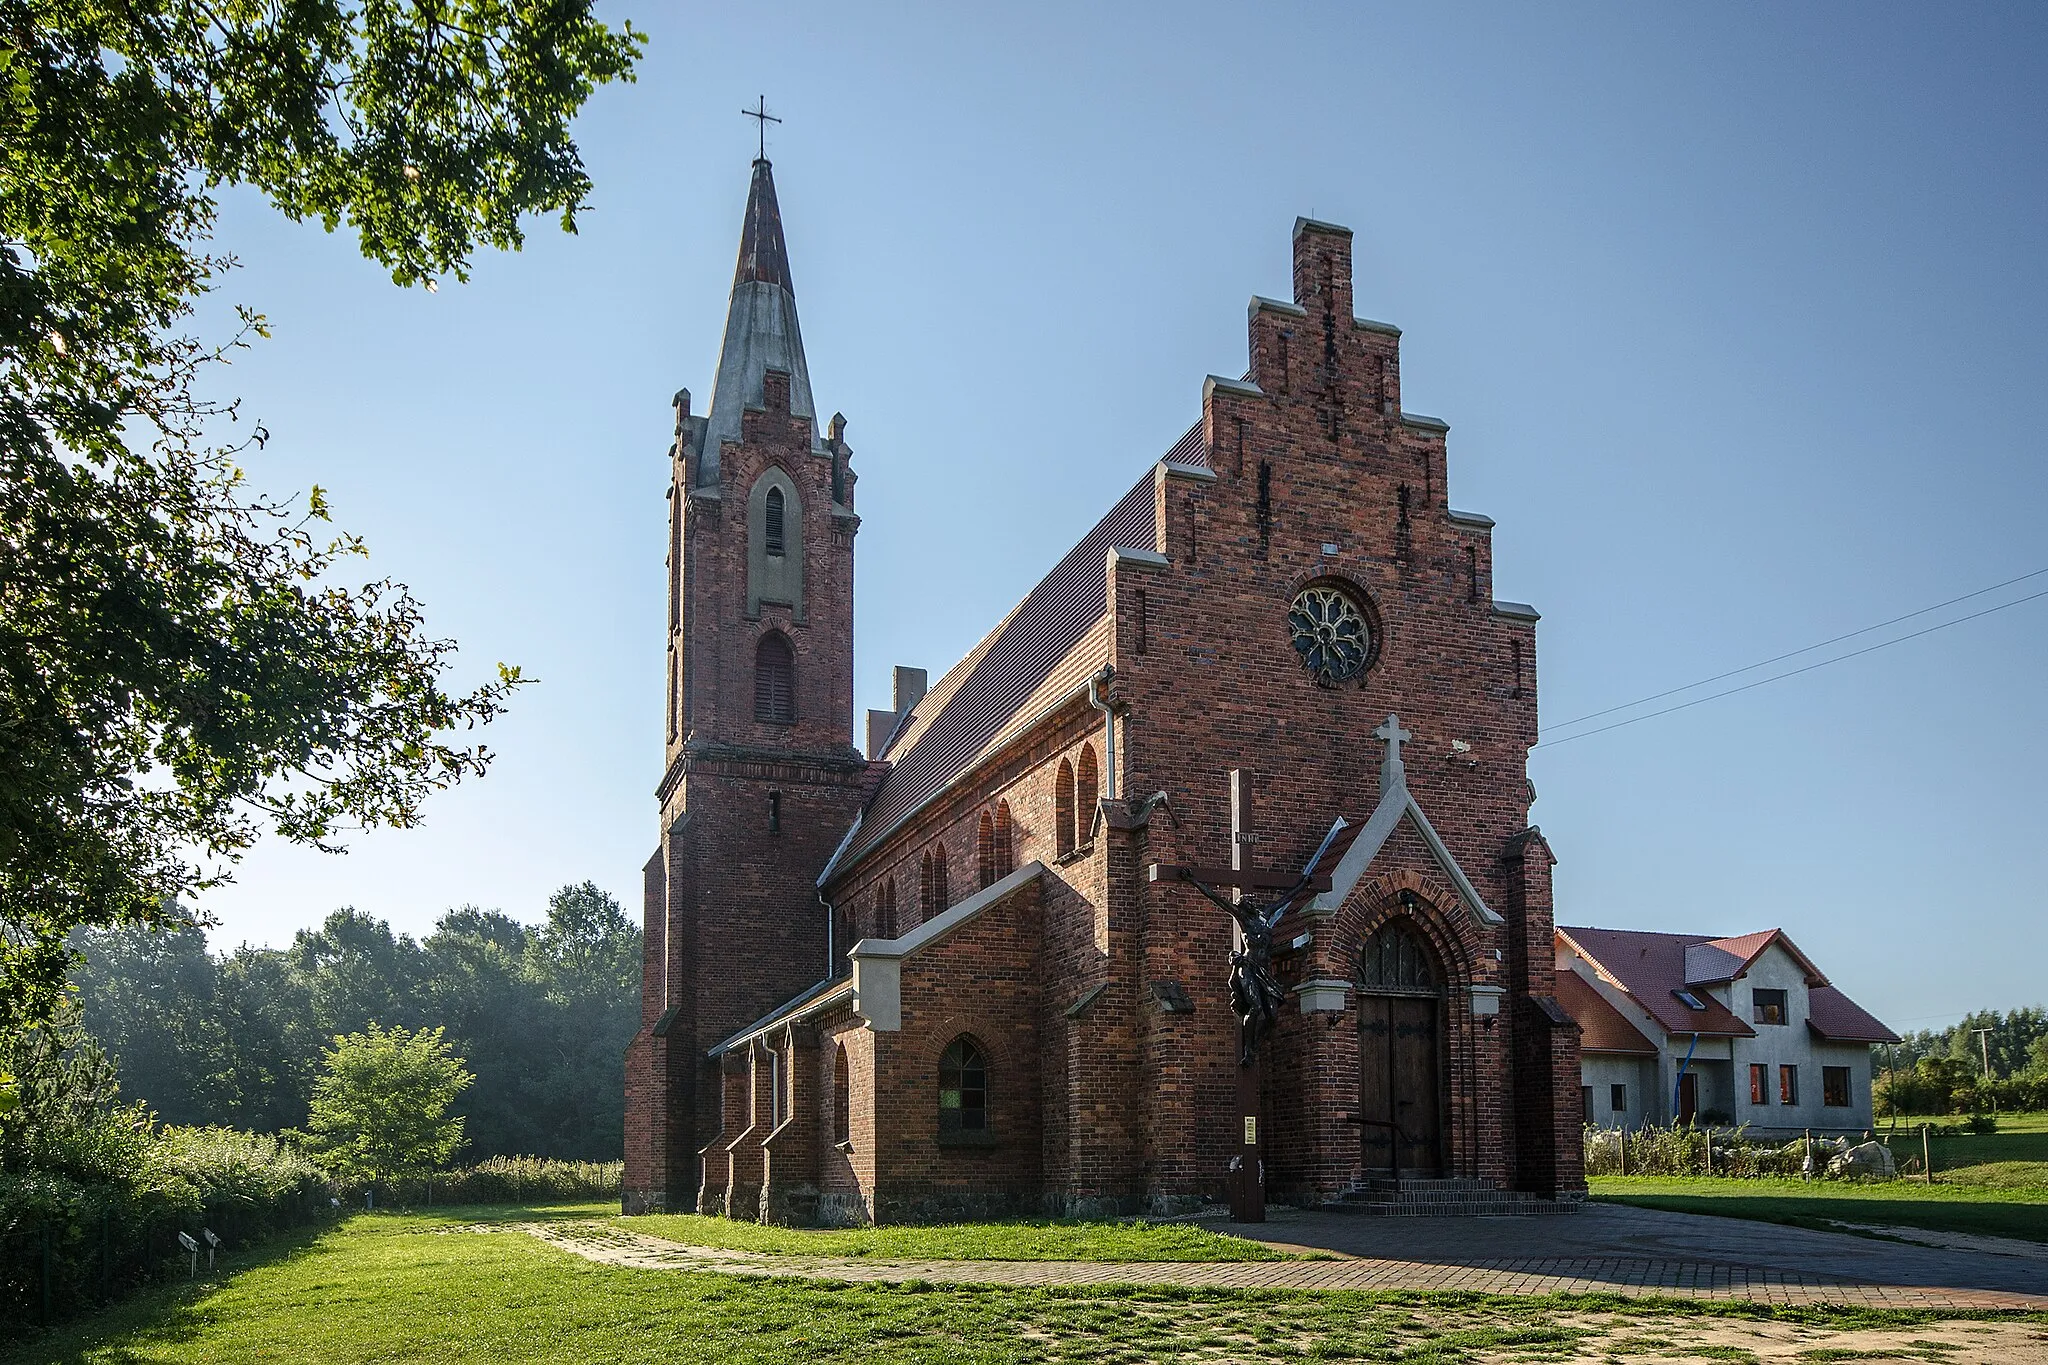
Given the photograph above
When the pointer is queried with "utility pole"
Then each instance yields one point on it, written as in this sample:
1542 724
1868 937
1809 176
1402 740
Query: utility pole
1984 1045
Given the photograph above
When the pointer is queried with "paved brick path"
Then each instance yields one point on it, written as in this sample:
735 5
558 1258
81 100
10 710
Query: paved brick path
1634 1277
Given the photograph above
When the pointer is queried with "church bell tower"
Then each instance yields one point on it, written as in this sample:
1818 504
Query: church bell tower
762 778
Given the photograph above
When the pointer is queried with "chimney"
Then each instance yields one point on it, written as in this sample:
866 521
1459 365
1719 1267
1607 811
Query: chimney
910 688
881 724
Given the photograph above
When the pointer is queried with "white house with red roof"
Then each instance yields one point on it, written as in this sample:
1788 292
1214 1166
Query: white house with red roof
1743 1030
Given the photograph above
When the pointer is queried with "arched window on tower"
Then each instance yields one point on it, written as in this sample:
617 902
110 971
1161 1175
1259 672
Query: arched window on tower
1086 784
772 524
775 680
985 849
1063 810
1005 863
940 897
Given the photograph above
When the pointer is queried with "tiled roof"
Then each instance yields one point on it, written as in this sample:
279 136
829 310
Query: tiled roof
1837 1018
1050 643
1651 968
1724 959
1602 1028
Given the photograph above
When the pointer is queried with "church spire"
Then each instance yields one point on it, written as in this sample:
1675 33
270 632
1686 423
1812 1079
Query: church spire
761 332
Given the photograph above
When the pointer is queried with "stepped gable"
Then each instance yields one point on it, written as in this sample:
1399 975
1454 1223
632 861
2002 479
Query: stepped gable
1040 650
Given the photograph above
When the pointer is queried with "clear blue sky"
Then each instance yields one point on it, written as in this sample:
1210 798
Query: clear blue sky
1735 312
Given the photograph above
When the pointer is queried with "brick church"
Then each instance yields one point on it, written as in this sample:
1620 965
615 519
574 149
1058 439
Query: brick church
939 979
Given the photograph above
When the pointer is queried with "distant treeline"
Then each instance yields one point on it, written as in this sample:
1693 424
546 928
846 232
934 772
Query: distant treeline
541 1014
2016 1045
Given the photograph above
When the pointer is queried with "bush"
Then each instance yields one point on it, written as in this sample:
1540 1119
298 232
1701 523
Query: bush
517 1180
1683 1150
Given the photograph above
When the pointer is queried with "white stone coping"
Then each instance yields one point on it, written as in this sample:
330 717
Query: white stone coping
878 962
1150 560
1486 999
1322 995
1418 420
1517 611
1216 383
1470 518
1261 304
1175 469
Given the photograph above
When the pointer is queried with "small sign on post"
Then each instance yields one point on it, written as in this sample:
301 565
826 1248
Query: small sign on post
186 1241
212 1245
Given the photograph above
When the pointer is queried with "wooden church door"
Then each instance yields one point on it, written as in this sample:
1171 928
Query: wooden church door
1400 1056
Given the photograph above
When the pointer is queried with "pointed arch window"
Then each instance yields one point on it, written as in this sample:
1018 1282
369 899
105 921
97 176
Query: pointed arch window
842 1097
775 680
985 848
885 909
963 1088
1005 862
772 538
1087 783
938 900
1063 810
1396 960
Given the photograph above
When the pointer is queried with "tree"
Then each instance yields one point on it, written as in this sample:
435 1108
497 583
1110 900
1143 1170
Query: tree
182 666
381 1110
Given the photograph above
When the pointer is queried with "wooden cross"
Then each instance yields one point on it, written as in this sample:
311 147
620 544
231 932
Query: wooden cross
765 118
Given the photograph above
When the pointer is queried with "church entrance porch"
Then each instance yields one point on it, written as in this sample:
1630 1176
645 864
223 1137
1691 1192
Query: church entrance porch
1400 1056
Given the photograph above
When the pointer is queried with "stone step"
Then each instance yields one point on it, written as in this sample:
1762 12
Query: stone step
1468 1209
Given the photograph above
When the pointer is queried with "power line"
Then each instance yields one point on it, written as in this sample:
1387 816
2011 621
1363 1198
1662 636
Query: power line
1793 654
1790 673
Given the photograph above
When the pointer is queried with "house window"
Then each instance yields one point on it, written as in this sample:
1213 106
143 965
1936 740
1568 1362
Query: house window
1617 1098
1586 1103
1767 1007
1788 1085
1063 810
1834 1087
842 1097
963 1088
1690 1001
775 812
771 538
775 680
1759 1083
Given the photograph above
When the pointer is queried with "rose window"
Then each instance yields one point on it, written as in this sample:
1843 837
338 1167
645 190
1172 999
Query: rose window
1331 634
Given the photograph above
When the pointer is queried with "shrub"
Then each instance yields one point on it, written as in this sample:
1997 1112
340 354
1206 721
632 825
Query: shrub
517 1180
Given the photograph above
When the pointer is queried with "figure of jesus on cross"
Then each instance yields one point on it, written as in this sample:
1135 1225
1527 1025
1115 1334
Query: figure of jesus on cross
1255 996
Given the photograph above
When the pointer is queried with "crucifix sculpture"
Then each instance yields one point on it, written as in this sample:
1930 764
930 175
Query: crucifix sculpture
1255 996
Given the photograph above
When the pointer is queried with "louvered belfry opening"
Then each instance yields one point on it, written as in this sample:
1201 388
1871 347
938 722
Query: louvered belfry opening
775 681
773 517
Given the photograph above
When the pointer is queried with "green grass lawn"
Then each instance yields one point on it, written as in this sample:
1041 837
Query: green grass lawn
402 1287
1012 1241
2011 1211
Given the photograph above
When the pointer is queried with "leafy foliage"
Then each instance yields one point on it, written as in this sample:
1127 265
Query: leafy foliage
541 1014
181 667
382 1108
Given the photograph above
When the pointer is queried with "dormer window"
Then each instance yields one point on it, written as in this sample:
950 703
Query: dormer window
1767 1007
1691 1001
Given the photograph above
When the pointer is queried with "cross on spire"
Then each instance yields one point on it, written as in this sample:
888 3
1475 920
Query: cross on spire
764 118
